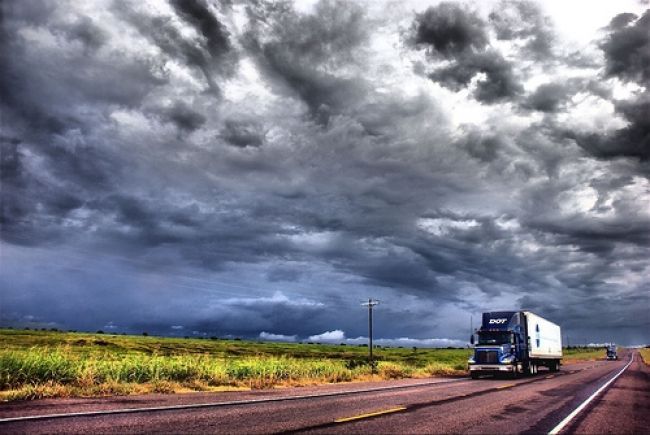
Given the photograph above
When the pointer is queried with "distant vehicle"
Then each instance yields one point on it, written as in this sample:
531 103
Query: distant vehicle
611 352
515 342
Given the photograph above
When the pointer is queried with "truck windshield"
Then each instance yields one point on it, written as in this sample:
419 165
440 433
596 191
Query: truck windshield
493 337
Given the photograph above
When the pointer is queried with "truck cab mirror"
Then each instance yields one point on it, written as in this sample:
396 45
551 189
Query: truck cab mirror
471 339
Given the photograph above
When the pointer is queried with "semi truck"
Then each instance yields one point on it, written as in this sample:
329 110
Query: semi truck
514 343
611 352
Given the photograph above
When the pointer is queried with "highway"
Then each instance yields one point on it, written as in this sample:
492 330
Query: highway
538 404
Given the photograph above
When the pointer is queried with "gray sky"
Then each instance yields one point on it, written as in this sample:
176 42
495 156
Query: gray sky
257 169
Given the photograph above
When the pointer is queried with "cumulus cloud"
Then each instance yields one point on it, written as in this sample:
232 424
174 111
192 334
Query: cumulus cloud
277 337
449 30
548 97
454 32
307 55
499 81
524 23
627 54
329 336
627 47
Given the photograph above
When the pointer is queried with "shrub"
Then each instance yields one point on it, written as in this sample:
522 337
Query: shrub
394 371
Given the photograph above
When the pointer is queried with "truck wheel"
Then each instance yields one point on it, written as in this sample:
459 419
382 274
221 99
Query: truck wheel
474 375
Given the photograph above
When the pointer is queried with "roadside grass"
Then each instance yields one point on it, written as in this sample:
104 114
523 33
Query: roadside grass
645 355
574 354
37 364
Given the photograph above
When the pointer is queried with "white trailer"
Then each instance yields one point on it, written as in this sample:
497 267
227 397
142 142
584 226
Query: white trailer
545 337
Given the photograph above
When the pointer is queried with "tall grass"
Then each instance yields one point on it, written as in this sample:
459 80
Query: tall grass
47 363
645 355
583 354
38 366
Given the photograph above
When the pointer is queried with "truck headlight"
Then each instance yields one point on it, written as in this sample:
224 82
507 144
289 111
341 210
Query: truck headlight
507 359
471 360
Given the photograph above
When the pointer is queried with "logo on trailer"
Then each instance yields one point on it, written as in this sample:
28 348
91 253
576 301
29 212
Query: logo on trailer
497 321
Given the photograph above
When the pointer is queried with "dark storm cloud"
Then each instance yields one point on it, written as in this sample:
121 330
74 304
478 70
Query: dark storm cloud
547 97
303 51
10 159
243 133
197 13
631 141
449 30
524 21
627 47
553 97
454 32
500 81
88 33
483 147
211 53
595 237
281 273
627 55
37 105
51 109
181 115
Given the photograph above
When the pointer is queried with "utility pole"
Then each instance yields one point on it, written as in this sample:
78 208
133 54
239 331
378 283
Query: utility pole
371 303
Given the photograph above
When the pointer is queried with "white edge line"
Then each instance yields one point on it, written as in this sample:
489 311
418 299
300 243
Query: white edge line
216 404
582 406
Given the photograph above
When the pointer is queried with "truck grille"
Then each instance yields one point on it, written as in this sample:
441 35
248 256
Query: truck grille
487 357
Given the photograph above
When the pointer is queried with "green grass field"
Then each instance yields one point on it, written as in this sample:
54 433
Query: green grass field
583 354
36 364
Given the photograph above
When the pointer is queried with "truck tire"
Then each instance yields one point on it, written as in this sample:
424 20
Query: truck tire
474 375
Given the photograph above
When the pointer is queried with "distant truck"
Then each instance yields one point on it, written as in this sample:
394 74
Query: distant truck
515 342
611 352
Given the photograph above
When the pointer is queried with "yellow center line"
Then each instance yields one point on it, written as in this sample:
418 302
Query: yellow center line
505 386
370 414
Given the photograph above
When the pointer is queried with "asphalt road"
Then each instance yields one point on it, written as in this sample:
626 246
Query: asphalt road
526 405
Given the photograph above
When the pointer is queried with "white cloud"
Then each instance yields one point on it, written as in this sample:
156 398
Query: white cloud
110 325
336 335
277 298
276 337
442 226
